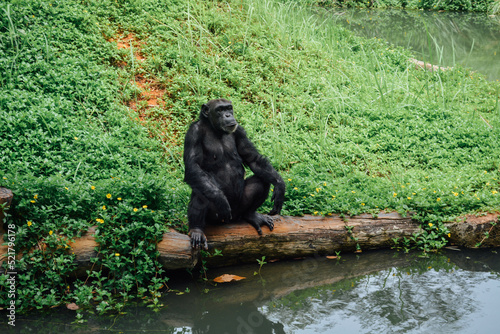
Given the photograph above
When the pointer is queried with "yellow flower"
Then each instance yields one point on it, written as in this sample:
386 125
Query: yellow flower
50 232
29 223
430 224
135 209
449 235
289 179
92 187
318 189
494 192
315 212
295 188
36 196
117 254
99 220
144 206
66 188
76 138
119 198
104 207
32 201
409 197
108 196
394 194
363 204
438 199
312 195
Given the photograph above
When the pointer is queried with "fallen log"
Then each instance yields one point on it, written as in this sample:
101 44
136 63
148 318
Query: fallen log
294 237
5 200
421 65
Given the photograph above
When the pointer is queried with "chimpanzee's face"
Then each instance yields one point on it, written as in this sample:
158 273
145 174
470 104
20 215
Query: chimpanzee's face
220 114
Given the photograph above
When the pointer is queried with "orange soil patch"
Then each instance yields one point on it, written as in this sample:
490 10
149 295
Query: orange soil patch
127 42
151 91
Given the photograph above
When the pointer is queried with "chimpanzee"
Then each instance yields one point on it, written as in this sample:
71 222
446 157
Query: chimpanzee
216 149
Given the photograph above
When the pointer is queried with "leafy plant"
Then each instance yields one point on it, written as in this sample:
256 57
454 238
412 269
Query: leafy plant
261 263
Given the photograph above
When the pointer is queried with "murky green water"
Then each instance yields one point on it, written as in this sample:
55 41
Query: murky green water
373 292
448 38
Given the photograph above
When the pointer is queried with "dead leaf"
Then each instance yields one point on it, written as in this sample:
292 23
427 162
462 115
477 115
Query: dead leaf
331 257
228 278
72 306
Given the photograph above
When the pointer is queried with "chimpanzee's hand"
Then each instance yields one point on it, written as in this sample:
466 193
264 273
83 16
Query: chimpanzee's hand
278 198
224 212
198 239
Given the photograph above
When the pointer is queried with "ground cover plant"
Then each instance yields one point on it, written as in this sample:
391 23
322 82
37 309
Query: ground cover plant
95 97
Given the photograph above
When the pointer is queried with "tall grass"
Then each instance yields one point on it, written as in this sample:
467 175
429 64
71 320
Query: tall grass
495 7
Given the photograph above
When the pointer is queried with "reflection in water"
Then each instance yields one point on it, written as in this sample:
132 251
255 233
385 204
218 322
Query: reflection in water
395 302
374 292
446 39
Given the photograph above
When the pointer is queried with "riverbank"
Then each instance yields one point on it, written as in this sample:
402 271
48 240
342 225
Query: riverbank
96 99
444 39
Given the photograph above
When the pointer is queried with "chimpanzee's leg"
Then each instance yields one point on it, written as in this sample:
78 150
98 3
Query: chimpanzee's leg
254 195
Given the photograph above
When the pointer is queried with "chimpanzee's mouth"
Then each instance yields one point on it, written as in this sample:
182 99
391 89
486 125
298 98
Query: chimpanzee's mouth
231 128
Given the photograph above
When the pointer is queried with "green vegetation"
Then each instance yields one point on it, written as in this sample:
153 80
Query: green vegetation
491 6
352 126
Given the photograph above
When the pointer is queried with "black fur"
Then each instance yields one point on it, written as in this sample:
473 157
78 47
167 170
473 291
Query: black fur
216 149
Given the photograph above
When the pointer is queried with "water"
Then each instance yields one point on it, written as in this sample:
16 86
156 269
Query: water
372 292
446 39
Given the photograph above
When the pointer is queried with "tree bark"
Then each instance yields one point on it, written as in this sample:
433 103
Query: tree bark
5 199
295 237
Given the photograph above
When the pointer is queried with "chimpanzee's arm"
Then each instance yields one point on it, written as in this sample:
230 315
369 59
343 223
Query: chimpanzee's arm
261 167
200 181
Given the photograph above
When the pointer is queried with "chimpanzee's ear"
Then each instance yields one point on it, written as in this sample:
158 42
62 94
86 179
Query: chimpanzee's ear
204 110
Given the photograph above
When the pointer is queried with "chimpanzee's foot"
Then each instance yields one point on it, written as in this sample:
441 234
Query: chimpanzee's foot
257 220
198 239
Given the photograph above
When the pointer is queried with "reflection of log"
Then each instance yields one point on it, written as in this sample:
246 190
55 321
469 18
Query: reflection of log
295 237
275 281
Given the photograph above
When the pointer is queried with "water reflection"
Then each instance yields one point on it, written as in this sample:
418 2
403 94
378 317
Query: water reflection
446 39
373 292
